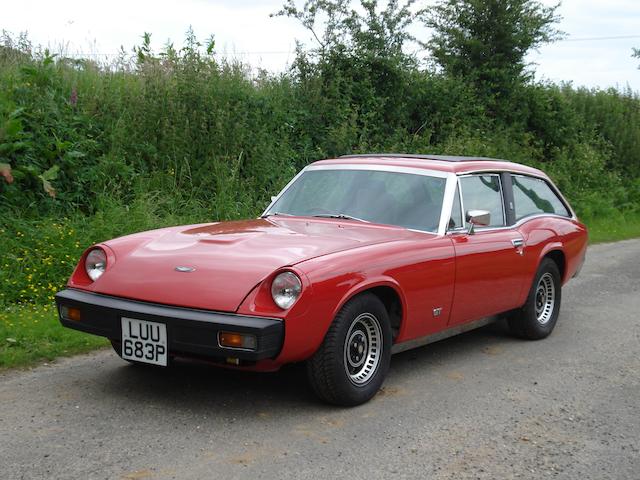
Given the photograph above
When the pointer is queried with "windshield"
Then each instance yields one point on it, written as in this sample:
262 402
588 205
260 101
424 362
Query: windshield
403 199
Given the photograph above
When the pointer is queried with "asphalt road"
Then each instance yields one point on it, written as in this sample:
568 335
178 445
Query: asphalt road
480 405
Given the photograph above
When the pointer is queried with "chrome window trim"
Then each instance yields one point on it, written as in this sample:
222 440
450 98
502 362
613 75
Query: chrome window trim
447 200
515 225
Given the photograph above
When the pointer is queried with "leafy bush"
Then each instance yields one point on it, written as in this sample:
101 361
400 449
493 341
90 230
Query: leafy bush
615 117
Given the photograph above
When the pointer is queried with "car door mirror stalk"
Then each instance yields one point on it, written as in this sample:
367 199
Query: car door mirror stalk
481 218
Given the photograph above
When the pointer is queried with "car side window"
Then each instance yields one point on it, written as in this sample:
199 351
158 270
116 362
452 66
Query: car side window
533 196
484 192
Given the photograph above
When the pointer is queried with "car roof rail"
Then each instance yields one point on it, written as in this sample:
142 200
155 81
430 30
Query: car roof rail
443 158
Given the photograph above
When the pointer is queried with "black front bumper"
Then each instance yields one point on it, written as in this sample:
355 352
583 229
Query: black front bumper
190 332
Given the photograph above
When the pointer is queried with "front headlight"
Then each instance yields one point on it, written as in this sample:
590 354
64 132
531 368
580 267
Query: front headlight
96 263
285 289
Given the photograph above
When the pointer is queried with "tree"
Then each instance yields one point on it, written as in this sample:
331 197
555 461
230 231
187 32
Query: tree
358 74
335 25
486 41
636 54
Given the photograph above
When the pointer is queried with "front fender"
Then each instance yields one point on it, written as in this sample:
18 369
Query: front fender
305 331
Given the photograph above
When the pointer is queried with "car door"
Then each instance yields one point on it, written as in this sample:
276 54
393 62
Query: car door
489 260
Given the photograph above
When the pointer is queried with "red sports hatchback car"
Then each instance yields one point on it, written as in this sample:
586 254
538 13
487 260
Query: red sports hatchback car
357 258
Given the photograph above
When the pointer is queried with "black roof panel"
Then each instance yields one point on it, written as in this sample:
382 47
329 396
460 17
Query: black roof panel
443 158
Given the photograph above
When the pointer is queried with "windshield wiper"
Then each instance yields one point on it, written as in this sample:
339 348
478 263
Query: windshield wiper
342 216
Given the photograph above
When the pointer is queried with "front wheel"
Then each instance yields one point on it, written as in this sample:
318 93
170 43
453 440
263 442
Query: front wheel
351 364
537 318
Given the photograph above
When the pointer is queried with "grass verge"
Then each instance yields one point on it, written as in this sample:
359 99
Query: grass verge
31 334
614 228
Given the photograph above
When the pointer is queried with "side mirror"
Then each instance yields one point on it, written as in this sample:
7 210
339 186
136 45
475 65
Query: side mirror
481 218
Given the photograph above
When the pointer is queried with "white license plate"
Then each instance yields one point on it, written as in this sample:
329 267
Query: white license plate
144 341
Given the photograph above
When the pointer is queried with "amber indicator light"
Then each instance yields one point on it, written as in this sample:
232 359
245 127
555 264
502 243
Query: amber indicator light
70 313
237 340
229 339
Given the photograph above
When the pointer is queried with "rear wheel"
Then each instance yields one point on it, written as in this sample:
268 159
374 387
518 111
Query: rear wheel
538 317
353 360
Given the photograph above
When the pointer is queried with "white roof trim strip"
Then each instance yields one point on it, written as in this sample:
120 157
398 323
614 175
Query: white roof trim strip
380 168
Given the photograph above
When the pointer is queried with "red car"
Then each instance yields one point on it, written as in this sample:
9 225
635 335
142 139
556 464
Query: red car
357 258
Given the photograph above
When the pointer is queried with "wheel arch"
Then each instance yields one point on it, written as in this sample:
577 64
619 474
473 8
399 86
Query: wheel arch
390 295
560 259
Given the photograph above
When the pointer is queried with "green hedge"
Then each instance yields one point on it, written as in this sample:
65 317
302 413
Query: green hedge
99 151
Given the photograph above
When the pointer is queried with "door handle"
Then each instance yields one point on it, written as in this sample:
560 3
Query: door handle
517 242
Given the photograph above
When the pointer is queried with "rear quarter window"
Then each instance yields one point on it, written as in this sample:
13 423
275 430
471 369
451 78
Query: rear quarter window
534 196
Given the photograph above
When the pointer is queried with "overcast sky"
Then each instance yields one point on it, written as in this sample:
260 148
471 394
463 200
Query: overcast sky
589 56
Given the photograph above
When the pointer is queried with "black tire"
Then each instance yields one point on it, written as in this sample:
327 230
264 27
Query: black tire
352 374
539 315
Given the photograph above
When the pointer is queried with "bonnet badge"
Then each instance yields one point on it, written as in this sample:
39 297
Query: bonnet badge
184 269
